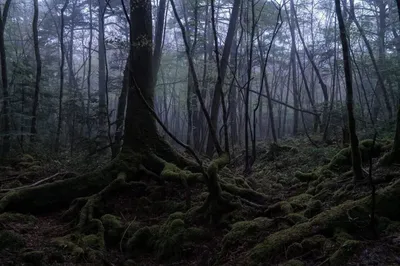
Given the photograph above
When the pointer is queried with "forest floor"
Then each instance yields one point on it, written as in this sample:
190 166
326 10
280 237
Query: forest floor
320 218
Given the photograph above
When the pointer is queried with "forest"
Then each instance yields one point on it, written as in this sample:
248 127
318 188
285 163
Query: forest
200 132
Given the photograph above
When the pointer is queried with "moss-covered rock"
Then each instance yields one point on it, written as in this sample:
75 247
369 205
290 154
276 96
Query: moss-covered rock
294 250
300 201
313 208
94 241
296 218
174 238
306 177
245 231
341 236
11 240
33 257
279 209
344 253
114 229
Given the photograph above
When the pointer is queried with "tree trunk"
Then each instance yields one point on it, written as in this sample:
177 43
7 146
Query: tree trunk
38 69
294 72
158 39
355 152
89 76
382 88
60 99
223 67
4 80
103 112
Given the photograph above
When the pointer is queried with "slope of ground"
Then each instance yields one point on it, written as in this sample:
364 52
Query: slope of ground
310 213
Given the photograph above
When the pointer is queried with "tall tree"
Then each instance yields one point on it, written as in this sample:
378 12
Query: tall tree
38 68
4 80
60 99
355 151
103 112
217 95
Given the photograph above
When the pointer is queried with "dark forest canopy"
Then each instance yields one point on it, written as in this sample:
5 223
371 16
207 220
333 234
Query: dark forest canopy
197 132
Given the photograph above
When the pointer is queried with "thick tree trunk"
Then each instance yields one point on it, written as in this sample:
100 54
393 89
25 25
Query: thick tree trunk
140 129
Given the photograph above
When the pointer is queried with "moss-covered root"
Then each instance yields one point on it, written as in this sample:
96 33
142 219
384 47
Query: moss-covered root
216 204
86 214
338 217
61 193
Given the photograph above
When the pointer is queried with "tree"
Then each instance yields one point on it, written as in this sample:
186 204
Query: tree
38 68
217 96
355 151
60 99
4 80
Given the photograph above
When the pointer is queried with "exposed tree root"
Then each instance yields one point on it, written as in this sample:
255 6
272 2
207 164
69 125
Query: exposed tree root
58 194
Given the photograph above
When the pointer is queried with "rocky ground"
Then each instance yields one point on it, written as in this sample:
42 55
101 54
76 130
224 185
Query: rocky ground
308 212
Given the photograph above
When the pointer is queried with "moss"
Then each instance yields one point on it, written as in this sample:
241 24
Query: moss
93 241
387 201
274 243
248 194
341 236
311 190
314 242
111 221
68 243
341 159
294 263
33 257
56 194
240 182
10 240
300 200
9 217
306 177
383 223
344 253
244 231
296 218
294 250
313 208
393 227
279 209
27 158
174 238
141 240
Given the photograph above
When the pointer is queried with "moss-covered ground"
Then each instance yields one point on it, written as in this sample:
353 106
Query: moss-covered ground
299 206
